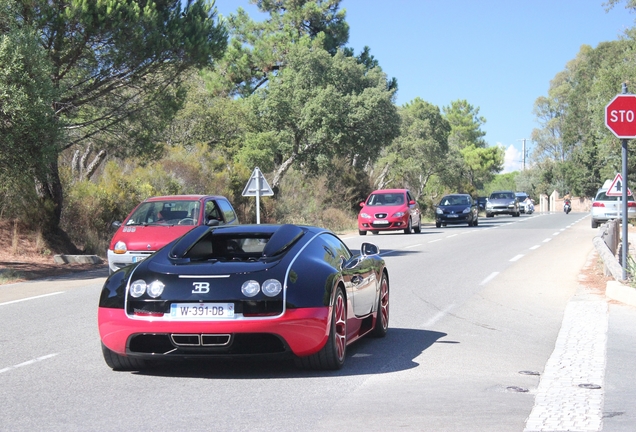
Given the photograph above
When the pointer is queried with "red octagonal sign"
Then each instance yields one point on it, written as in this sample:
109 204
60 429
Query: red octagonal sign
620 116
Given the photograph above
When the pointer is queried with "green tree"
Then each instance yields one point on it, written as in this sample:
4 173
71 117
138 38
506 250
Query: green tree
116 67
320 107
471 162
258 50
419 152
28 130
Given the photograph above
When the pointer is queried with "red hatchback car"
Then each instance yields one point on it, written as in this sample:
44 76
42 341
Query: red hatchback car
159 220
389 210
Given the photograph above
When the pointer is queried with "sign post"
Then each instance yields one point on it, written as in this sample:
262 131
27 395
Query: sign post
620 118
257 186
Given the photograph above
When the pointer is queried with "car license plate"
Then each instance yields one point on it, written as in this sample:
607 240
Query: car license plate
136 259
452 216
202 311
381 222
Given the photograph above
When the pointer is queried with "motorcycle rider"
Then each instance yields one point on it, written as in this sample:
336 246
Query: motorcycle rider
529 205
567 204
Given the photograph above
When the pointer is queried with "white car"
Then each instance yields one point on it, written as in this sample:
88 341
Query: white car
605 208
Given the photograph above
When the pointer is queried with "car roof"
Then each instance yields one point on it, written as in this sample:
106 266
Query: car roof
182 197
388 191
457 194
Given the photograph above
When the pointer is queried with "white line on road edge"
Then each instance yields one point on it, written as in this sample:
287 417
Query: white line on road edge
28 362
454 235
438 316
517 258
547 240
555 234
433 241
31 298
535 247
489 278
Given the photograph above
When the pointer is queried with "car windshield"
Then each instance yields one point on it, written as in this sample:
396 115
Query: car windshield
601 196
502 195
521 197
454 200
386 199
166 213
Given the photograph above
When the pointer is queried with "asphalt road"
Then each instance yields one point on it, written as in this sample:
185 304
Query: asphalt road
471 308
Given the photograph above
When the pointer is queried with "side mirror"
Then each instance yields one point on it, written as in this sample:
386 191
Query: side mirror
412 202
212 222
369 249
115 225
362 204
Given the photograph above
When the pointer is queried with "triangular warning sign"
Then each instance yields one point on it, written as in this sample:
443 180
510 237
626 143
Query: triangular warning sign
616 188
257 183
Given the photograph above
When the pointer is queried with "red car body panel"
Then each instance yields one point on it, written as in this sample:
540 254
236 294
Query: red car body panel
140 238
305 330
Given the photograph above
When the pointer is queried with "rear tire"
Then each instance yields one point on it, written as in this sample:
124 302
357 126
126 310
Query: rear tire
122 363
594 224
362 232
382 321
332 355
438 224
418 227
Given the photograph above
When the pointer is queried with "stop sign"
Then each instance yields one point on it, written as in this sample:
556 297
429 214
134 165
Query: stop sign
620 116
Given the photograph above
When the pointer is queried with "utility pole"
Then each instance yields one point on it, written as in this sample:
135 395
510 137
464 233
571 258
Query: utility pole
523 151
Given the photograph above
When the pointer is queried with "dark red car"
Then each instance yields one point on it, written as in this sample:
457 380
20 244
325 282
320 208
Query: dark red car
159 220
389 210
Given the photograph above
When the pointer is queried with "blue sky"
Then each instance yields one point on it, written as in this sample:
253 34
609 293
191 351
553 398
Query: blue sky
499 55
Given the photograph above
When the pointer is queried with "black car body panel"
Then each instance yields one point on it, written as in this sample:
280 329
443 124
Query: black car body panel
457 209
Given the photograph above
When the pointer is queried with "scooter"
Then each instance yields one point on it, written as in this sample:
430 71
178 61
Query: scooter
567 207
529 208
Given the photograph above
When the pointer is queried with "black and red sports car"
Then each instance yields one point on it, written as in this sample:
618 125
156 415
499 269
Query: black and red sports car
245 290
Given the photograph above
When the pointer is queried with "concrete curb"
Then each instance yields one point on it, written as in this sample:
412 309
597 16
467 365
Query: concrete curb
616 289
622 293
77 259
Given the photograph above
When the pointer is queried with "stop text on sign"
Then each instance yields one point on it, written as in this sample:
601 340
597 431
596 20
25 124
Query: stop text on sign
620 116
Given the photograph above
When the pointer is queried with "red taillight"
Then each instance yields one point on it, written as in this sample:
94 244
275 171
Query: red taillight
631 204
598 204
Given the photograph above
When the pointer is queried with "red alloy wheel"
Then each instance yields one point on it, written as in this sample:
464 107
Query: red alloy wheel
340 317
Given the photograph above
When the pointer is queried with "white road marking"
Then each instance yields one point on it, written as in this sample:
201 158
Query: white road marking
535 247
555 234
489 278
517 258
547 240
433 241
454 235
28 362
412 246
31 298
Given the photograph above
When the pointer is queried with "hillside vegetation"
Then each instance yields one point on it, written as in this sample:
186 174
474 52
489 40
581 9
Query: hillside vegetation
108 103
